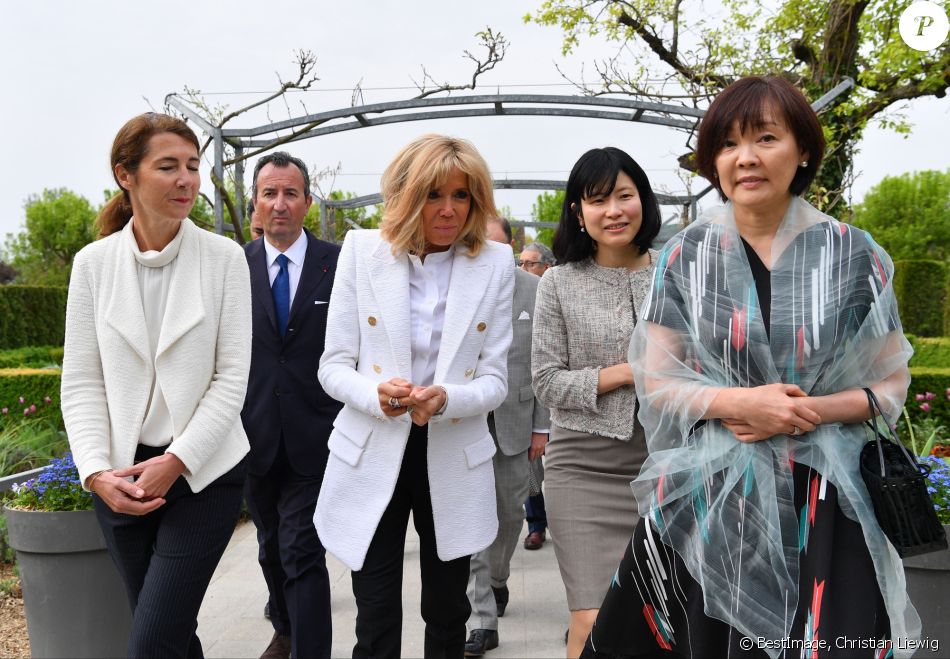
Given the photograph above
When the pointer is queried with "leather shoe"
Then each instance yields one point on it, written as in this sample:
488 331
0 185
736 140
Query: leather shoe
534 540
501 599
480 641
279 647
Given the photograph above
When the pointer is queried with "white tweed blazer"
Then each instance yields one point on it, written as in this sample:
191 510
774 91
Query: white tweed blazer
368 342
202 360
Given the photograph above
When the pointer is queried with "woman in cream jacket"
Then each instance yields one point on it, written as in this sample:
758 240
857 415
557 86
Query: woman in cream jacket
154 376
417 338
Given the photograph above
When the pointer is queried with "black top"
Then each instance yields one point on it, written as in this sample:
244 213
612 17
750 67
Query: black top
763 284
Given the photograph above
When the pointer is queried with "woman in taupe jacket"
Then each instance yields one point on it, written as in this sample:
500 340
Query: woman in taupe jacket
585 313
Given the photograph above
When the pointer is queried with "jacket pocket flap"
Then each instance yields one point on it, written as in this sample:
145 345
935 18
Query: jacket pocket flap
479 452
356 426
343 448
526 393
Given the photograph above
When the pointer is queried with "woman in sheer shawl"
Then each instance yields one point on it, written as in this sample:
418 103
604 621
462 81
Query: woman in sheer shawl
765 320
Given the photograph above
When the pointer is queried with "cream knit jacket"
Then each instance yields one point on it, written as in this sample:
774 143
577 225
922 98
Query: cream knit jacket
202 359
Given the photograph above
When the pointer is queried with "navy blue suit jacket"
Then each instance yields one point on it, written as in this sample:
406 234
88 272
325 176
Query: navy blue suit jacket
284 397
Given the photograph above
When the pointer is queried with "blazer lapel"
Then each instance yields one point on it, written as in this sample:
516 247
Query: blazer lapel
125 313
314 270
389 278
185 307
467 286
260 282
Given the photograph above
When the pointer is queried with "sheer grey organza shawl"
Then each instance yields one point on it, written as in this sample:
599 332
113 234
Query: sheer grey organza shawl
725 506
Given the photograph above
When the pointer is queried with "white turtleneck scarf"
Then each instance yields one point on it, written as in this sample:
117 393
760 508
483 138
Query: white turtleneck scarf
155 272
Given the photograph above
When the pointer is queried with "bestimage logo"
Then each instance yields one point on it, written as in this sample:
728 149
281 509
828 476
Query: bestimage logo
924 25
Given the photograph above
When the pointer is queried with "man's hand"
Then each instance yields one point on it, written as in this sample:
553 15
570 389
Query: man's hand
538 441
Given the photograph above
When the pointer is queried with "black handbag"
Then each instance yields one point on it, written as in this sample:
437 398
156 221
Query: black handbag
897 484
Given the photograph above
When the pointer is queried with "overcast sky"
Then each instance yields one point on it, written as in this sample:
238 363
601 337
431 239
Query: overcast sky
73 72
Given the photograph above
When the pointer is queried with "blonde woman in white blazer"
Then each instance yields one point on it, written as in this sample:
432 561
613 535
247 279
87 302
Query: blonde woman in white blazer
154 376
416 345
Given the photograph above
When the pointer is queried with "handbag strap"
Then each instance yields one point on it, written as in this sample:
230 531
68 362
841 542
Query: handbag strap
875 408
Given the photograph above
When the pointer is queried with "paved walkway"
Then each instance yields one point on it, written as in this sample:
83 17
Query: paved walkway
232 624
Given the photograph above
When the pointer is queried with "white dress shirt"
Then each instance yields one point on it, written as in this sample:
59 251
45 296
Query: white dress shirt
295 254
428 288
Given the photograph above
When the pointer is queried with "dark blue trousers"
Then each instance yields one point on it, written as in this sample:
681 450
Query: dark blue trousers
292 558
535 514
167 558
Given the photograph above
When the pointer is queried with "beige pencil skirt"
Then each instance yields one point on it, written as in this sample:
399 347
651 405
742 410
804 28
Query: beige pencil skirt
590 508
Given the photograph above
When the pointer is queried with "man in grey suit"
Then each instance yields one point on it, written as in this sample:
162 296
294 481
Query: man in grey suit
519 421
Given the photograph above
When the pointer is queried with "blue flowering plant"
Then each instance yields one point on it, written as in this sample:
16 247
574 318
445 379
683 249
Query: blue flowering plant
57 488
938 485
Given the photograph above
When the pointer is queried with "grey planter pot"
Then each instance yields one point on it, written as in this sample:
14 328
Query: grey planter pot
928 584
76 604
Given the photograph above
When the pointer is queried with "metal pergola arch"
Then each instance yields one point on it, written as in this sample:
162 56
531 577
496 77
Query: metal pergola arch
328 207
424 109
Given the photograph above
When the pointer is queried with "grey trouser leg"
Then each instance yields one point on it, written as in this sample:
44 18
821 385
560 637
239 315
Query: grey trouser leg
492 566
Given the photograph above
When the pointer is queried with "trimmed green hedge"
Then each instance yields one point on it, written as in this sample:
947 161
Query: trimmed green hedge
946 310
34 385
930 351
32 357
32 316
936 381
921 290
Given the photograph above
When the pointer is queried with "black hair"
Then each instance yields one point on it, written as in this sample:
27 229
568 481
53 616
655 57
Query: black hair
748 101
281 159
595 173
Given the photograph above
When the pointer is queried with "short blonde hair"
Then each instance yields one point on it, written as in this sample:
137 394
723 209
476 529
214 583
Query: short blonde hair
423 165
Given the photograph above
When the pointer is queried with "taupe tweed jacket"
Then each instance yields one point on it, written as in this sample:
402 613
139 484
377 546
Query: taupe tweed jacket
583 320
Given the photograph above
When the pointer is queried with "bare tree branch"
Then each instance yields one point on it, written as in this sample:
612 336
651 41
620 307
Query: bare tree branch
305 61
670 58
496 46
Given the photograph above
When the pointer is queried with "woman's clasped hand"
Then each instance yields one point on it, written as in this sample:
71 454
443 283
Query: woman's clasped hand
398 396
756 413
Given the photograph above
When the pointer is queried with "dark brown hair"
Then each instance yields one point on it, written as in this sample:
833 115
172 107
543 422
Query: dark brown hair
749 101
128 149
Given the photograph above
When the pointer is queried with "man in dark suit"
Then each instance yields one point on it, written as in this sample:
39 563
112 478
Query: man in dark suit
287 415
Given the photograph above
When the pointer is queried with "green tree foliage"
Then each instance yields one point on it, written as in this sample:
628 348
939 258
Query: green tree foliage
344 219
687 51
547 208
909 215
58 224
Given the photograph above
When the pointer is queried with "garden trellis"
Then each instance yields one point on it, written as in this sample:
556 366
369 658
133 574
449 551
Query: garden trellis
255 140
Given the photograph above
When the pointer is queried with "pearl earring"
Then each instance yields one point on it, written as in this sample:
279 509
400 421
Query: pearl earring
582 229
804 163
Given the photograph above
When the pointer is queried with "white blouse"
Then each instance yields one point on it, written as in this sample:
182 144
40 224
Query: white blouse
155 272
428 288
